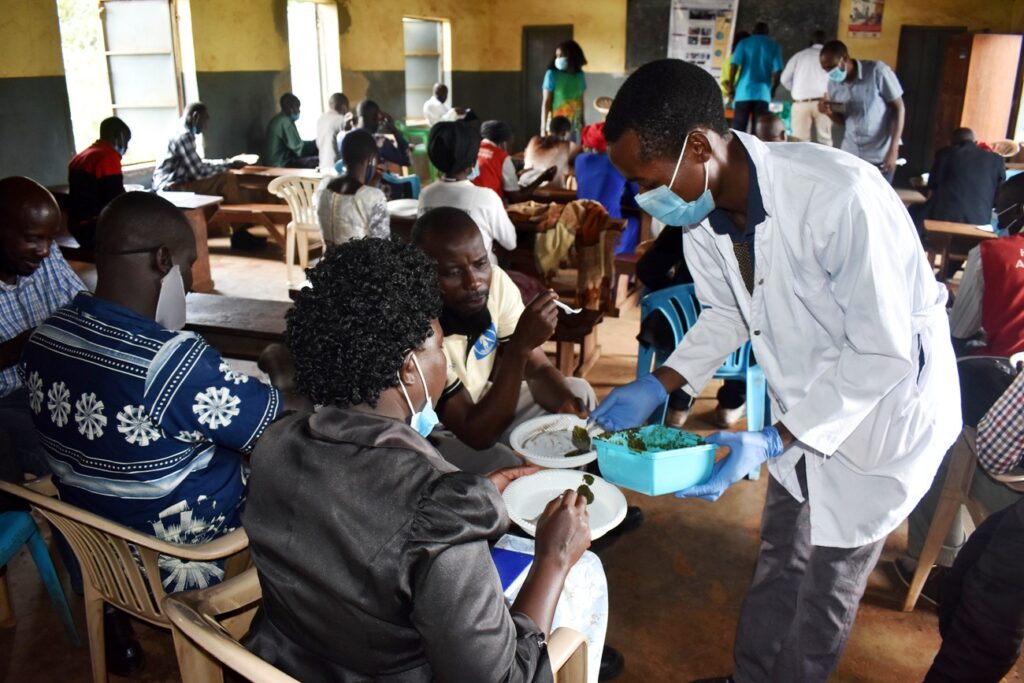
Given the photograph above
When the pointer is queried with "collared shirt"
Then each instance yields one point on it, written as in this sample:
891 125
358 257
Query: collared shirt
721 222
283 143
144 425
849 327
328 126
868 130
435 111
31 300
181 163
803 76
760 58
1001 431
471 366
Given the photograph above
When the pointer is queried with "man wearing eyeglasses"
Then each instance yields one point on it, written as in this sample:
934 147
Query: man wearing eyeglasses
991 294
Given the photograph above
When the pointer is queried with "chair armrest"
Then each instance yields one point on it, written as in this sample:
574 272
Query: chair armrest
43 485
237 592
562 645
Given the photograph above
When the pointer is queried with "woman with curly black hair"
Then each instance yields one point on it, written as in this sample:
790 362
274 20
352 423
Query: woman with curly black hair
371 549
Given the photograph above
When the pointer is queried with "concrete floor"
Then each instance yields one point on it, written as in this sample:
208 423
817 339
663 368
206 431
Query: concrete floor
675 584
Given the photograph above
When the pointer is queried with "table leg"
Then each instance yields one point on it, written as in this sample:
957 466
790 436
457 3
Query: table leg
565 354
590 351
202 281
944 268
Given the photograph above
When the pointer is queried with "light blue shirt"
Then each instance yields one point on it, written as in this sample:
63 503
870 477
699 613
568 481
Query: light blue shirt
759 57
866 97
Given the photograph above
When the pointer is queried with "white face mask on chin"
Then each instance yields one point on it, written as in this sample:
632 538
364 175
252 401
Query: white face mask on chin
170 305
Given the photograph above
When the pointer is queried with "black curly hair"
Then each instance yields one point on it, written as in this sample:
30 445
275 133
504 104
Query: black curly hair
370 304
661 102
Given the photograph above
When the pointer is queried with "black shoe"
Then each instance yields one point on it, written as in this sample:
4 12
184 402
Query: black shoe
243 240
612 663
124 655
718 679
905 568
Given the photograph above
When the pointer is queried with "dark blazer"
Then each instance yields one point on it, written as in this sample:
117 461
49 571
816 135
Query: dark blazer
964 180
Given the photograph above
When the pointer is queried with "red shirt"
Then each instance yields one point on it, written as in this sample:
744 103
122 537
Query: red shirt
1002 305
490 160
94 178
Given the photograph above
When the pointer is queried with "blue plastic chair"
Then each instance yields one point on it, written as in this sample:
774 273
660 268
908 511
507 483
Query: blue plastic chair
17 529
680 307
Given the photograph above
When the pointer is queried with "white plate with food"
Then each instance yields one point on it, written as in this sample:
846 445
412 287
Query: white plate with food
526 498
549 441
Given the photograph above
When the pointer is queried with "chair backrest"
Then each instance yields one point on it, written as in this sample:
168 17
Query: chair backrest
299 192
680 306
208 625
121 564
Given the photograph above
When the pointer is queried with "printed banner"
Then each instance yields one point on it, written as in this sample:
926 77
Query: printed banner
866 18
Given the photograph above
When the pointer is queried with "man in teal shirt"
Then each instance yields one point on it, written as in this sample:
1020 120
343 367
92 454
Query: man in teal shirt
284 146
760 61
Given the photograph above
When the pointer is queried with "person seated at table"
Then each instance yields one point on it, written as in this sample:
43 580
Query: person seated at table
991 293
497 172
332 122
412 592
598 179
483 317
769 127
352 206
663 265
962 184
181 169
452 148
554 149
380 125
36 282
95 177
284 147
436 108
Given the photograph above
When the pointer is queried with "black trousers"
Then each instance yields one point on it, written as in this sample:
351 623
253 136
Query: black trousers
746 112
981 610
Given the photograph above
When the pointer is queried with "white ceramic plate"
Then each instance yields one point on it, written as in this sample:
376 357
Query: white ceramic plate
546 439
527 497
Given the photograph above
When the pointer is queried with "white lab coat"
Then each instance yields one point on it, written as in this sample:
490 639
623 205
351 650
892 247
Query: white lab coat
844 308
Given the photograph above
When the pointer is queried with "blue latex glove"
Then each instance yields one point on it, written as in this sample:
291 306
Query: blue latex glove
631 404
747 450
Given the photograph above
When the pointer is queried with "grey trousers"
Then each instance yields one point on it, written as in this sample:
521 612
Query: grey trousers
798 612
992 494
501 454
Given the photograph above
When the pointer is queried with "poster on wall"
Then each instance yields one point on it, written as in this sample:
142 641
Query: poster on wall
700 32
866 18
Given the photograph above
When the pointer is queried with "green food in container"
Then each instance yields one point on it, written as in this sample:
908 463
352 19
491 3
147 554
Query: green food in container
654 459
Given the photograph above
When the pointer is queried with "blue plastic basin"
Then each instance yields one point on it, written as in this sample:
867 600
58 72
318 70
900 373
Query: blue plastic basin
670 460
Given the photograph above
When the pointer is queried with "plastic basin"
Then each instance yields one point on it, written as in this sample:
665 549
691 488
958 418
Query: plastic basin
654 459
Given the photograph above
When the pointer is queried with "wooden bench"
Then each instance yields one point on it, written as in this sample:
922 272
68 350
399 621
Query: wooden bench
625 286
237 327
946 241
273 217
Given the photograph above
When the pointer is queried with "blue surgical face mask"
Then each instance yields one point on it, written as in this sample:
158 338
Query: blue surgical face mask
671 209
194 130
561 63
121 149
474 173
426 419
371 168
294 117
837 74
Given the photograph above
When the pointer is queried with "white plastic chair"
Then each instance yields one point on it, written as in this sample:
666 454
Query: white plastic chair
300 193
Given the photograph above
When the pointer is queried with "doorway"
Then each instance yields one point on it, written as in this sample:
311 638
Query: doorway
313 52
922 52
539 43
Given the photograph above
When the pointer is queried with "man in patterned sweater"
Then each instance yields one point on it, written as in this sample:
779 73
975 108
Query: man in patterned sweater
143 424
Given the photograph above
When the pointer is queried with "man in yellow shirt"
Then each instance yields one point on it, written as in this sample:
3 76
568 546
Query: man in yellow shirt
498 376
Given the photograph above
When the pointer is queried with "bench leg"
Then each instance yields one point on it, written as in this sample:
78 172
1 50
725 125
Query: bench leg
564 356
590 351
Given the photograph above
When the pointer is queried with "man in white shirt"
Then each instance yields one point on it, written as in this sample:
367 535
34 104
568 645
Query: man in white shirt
807 253
336 119
807 83
435 109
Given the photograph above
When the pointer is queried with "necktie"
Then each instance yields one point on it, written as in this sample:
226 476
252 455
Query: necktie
746 263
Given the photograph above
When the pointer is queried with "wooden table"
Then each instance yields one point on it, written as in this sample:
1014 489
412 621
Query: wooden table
238 328
581 329
198 208
942 236
258 177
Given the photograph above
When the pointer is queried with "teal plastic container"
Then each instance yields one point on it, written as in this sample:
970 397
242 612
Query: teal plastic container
654 459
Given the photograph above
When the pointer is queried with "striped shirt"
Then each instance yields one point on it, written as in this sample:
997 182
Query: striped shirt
181 163
144 425
1001 431
31 300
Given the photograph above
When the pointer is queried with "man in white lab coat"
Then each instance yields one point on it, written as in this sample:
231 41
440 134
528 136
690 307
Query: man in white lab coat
807 252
